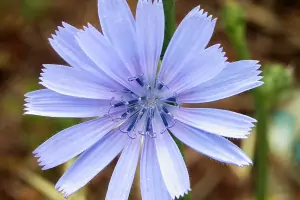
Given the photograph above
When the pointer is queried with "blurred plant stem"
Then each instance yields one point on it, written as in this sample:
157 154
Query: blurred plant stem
170 26
40 184
234 21
170 23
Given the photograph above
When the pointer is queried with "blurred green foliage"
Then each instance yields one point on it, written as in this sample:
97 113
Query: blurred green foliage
278 81
31 9
233 18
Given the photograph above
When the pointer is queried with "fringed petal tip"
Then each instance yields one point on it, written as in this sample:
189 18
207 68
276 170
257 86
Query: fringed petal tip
176 178
198 12
29 109
29 94
43 165
220 122
64 191
244 161
151 1
42 161
214 146
244 164
63 28
236 77
48 103
240 164
178 196
182 195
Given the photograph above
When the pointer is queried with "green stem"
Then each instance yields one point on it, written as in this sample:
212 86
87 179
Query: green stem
262 147
260 167
170 23
240 44
233 18
170 26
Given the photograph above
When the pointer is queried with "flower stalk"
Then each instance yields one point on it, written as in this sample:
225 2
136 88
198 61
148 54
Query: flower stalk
170 23
234 22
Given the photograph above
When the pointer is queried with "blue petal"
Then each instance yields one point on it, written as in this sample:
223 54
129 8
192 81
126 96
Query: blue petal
91 162
236 78
151 181
171 163
216 121
102 53
118 26
66 45
172 166
122 177
197 70
211 145
73 82
150 27
187 44
72 141
51 104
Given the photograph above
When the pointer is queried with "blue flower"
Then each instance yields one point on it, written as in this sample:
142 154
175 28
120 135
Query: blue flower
113 77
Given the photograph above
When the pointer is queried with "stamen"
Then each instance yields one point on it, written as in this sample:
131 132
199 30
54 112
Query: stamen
173 124
148 87
163 111
123 90
111 100
152 134
138 79
126 91
142 98
134 121
125 114
138 112
173 100
148 126
132 136
132 125
141 113
115 105
140 82
160 85
130 129
134 101
119 104
164 119
122 103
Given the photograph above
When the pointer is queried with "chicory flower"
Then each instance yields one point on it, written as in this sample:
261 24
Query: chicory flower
114 77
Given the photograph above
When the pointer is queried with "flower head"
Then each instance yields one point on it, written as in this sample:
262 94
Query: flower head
113 76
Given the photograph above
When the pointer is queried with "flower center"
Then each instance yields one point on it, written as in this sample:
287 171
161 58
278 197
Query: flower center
137 113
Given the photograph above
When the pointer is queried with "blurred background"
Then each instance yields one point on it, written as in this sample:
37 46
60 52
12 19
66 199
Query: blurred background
265 30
